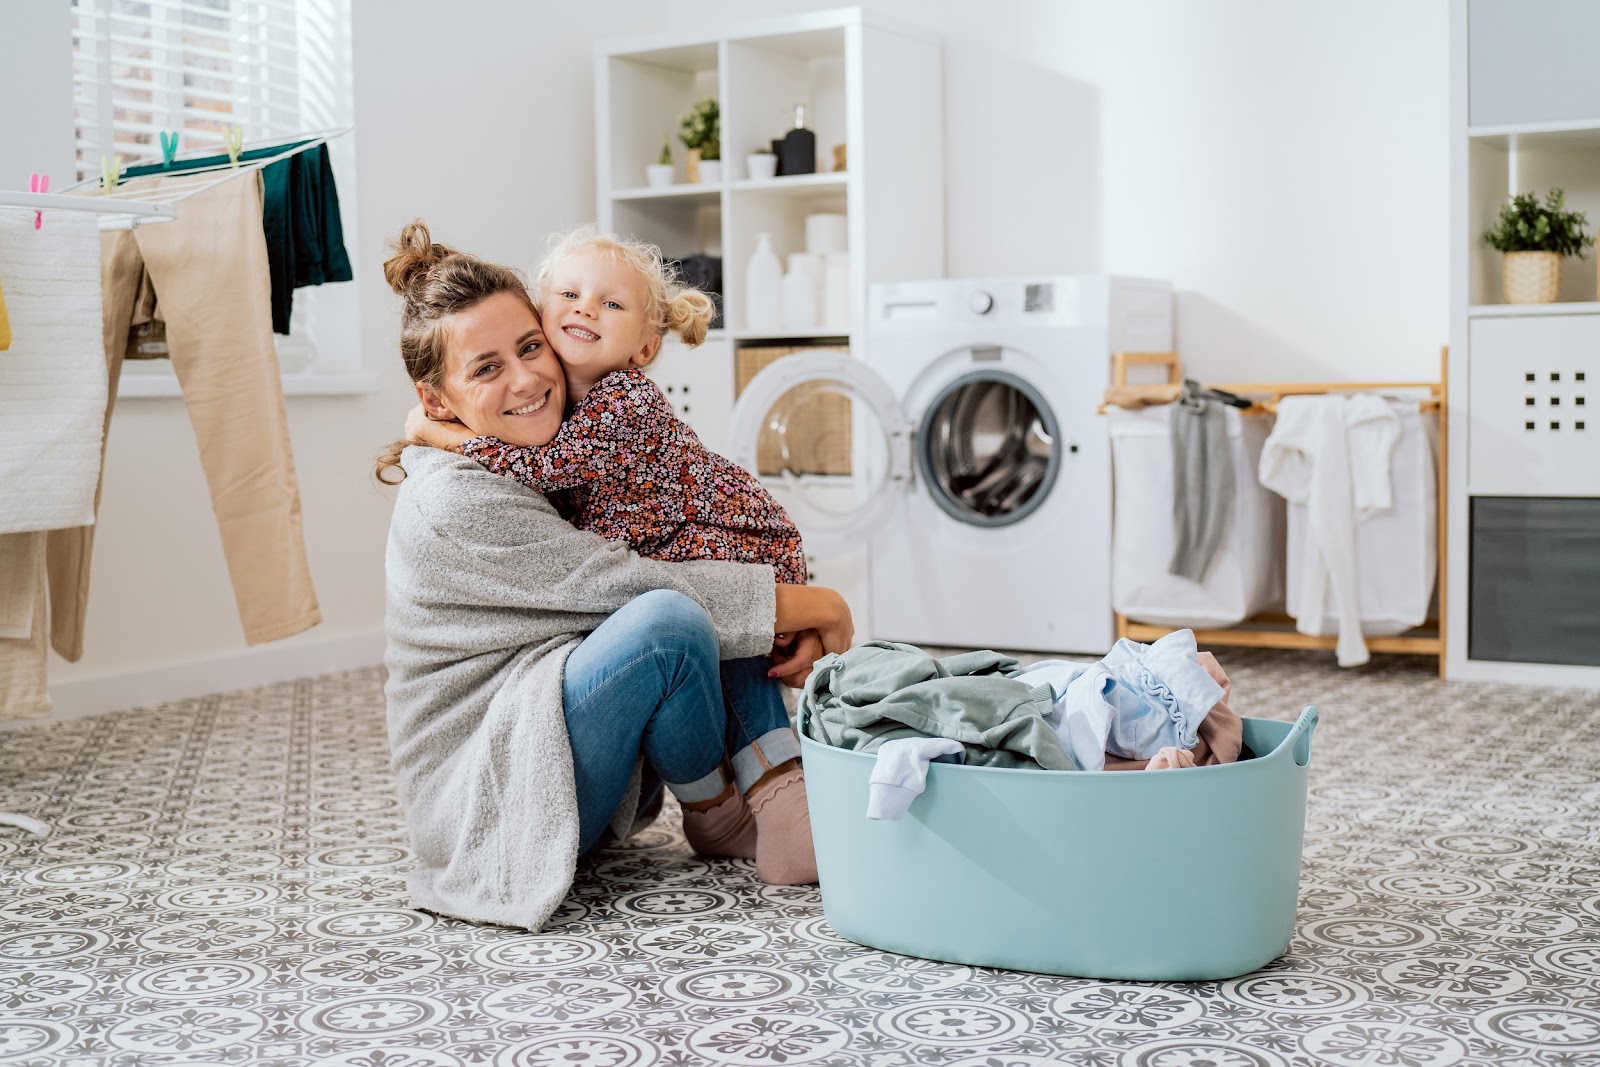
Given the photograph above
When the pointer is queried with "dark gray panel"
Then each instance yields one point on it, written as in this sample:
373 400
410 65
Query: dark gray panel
1535 584
1532 61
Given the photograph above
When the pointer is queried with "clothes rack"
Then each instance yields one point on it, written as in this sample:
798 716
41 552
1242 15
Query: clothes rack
1276 630
186 183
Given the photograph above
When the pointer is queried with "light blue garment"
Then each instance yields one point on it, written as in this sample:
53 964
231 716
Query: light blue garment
1136 701
901 773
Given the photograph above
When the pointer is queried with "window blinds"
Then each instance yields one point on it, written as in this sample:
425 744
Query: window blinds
144 66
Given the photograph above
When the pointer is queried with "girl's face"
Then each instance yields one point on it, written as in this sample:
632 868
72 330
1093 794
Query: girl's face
594 312
500 377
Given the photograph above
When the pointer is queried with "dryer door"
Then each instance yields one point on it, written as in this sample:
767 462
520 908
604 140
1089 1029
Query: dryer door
828 437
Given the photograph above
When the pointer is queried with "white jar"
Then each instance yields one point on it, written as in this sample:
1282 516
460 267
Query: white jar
763 284
761 165
836 291
799 295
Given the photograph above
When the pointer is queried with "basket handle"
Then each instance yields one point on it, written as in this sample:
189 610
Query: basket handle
1300 735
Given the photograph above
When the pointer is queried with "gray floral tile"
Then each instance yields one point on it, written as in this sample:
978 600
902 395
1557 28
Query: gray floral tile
224 884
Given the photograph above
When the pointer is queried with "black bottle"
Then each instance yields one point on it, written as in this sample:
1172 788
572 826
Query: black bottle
799 155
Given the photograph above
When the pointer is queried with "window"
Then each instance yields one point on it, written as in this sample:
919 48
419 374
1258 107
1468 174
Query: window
276 68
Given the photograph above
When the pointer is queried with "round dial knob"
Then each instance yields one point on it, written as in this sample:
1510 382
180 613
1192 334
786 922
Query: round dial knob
980 302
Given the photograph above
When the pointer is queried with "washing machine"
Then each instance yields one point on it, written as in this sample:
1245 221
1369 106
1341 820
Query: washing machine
961 455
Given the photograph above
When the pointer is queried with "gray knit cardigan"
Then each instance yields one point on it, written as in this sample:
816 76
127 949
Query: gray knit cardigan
488 592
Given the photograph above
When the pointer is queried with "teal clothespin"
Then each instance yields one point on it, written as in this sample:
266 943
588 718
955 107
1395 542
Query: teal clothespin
233 139
110 173
169 147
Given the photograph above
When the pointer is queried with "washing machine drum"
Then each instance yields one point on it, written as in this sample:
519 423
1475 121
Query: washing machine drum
832 442
988 448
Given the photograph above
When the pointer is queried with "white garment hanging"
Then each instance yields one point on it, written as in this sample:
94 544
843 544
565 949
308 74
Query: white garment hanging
1332 454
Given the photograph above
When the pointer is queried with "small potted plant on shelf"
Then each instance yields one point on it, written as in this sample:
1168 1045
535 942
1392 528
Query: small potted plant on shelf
1535 237
761 163
660 173
702 136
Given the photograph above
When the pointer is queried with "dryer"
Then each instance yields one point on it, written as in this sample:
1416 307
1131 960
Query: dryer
979 474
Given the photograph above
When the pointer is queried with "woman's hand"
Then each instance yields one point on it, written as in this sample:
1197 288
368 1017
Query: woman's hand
427 431
793 656
812 607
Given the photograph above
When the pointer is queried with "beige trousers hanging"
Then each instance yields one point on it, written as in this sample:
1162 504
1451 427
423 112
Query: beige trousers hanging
209 271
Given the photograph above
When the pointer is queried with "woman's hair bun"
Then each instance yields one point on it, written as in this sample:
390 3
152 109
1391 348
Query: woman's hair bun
415 255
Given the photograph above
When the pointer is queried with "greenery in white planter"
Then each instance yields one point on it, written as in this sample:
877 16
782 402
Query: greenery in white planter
701 129
665 159
1527 226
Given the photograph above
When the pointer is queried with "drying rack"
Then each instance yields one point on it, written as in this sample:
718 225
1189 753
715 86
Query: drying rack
1274 629
123 208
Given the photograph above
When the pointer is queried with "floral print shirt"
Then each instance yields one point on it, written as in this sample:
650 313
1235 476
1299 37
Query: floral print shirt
635 472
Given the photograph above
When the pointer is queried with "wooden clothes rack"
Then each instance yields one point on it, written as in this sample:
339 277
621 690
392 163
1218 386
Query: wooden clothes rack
1274 629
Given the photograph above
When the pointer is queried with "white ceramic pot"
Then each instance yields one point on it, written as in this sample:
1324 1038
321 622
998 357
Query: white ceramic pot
711 171
761 165
659 175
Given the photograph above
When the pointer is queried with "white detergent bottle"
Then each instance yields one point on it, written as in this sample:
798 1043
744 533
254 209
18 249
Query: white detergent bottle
763 287
799 295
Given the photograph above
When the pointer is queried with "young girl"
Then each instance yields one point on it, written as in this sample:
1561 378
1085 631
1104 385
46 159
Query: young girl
635 472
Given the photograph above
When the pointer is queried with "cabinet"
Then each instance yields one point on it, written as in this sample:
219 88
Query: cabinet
871 85
1524 447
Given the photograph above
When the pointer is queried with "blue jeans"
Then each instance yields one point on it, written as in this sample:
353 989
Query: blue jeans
648 680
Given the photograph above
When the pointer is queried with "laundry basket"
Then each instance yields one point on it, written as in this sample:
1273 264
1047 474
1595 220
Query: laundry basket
1397 555
1175 875
1245 576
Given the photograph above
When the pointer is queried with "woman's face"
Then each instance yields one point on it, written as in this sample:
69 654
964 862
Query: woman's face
500 377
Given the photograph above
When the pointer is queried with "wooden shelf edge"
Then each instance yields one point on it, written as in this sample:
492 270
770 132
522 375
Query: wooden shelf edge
1423 643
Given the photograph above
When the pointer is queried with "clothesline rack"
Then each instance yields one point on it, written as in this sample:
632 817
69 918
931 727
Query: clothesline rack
1273 629
127 205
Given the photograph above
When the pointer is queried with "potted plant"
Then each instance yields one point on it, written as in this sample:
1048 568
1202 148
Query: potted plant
1535 237
761 163
660 173
702 136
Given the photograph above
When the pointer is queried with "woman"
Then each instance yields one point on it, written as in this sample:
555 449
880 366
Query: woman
541 677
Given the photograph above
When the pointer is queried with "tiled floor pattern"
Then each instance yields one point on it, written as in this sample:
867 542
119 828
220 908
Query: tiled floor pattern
223 885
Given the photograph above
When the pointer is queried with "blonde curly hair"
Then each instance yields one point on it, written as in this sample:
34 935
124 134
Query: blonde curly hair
670 305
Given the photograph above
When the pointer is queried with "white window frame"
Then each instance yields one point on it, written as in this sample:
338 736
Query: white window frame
322 353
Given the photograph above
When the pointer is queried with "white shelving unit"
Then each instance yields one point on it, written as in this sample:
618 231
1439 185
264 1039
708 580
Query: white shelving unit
1523 431
869 83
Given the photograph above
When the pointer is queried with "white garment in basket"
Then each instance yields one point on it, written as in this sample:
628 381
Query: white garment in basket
1332 454
53 378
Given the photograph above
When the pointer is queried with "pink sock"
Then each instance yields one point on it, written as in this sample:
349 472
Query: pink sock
784 853
725 828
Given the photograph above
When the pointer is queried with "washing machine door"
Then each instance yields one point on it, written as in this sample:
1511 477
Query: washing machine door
829 439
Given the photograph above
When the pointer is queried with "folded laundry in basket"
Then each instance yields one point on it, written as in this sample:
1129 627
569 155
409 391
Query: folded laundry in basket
1136 701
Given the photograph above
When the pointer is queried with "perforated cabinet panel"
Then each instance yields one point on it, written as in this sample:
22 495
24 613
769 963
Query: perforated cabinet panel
1533 407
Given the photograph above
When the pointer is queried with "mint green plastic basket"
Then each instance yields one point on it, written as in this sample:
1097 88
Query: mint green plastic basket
1178 875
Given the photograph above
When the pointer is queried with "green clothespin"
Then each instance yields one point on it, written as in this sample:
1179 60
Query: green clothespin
110 173
233 139
169 147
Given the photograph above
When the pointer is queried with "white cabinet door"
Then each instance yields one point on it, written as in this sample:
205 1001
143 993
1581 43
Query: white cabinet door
699 385
1532 61
1533 401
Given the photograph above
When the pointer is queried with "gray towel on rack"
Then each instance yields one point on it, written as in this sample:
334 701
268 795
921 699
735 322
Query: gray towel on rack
1202 483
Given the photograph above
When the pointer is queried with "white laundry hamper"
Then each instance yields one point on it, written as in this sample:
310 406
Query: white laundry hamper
1245 576
1396 550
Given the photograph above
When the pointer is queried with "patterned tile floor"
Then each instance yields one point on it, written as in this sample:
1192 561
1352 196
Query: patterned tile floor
223 886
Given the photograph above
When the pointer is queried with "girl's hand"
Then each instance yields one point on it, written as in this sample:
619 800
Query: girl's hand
426 431
793 656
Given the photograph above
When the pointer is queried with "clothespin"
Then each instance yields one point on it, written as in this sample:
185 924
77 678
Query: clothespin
38 183
110 173
169 147
233 140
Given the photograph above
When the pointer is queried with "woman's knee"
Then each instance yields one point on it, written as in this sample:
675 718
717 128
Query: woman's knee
669 621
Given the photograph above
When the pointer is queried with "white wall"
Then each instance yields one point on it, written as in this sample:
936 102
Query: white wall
1284 164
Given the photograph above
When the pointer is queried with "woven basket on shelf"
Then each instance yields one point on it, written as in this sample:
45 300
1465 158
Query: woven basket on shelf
819 435
1532 277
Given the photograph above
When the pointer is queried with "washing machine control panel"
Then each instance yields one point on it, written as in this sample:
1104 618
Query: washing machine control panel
980 302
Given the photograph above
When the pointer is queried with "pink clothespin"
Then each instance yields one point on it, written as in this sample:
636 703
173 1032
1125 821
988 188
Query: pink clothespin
39 183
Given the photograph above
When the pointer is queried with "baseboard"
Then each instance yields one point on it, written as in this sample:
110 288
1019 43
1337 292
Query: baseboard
264 665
